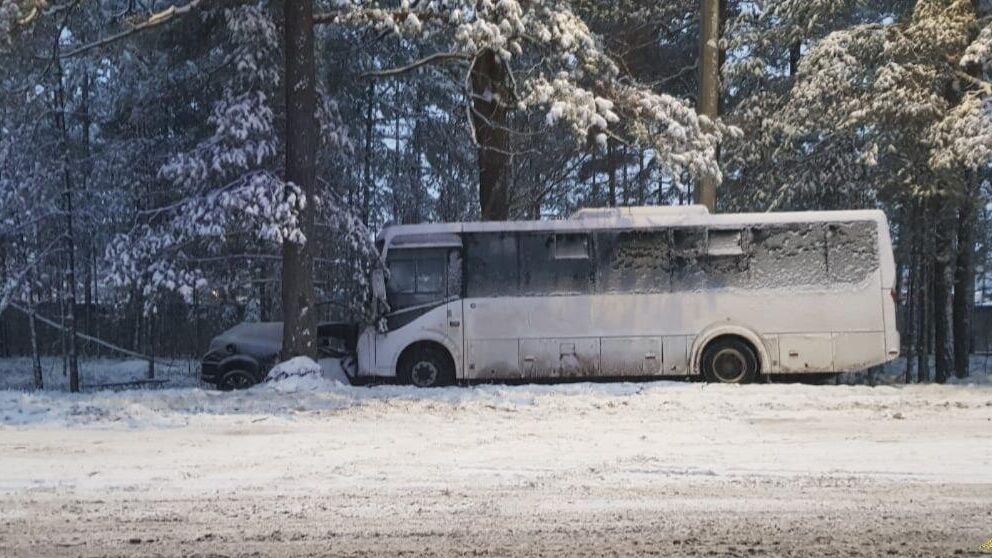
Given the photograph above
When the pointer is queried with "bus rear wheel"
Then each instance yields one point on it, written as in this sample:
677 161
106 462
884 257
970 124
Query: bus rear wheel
729 360
426 366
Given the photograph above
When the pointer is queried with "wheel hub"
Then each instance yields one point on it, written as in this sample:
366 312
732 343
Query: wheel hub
729 366
424 374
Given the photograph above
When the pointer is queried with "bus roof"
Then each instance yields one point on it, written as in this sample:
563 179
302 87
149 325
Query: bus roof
619 218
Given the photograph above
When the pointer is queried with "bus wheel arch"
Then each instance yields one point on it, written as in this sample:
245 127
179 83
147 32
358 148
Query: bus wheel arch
426 364
727 334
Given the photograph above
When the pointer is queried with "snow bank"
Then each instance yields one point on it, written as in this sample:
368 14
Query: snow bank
312 395
293 368
304 374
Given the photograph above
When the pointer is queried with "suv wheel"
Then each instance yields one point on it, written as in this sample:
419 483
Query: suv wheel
237 379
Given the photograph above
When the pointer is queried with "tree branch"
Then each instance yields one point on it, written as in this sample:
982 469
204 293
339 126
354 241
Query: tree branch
154 20
438 57
985 86
399 16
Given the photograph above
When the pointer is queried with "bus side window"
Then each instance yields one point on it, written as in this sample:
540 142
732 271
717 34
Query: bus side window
430 276
688 249
689 243
634 261
416 276
721 243
403 276
491 264
556 264
788 255
852 251
728 256
571 246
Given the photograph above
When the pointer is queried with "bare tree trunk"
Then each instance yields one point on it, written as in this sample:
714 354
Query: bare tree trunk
4 337
923 300
943 276
913 256
87 291
151 344
594 175
196 322
490 98
417 174
536 192
367 177
70 233
96 299
299 315
399 206
641 182
709 85
263 300
964 281
138 311
86 124
612 166
795 52
39 380
626 176
64 343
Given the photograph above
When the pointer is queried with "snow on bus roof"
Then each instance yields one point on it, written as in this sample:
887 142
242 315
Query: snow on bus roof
644 211
628 217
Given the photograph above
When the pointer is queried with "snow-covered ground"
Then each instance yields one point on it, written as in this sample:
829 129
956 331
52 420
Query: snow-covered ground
310 466
16 373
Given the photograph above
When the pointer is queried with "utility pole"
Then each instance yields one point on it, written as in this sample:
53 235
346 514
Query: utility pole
709 85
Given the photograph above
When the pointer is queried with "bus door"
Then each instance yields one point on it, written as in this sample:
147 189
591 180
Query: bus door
424 295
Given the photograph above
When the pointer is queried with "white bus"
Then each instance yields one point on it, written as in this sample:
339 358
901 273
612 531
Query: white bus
635 292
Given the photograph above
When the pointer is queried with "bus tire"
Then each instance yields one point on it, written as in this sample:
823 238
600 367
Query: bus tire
729 360
426 366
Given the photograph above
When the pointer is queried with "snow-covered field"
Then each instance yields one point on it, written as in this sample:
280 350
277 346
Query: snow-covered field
309 466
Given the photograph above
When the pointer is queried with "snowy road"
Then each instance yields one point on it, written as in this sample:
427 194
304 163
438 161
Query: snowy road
669 469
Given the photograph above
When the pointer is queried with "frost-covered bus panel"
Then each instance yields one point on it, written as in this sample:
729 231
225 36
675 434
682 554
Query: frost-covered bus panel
636 292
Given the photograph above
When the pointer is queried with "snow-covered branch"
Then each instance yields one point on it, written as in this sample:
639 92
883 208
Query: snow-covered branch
154 20
437 58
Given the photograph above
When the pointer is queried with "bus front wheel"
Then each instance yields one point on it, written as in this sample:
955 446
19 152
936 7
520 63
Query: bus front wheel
729 360
426 366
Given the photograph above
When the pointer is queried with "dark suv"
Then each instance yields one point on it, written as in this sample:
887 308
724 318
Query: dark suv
243 355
